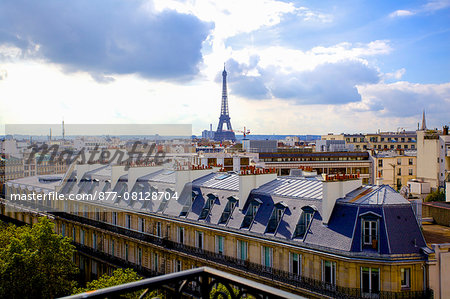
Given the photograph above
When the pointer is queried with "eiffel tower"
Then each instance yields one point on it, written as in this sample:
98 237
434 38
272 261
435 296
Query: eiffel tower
221 134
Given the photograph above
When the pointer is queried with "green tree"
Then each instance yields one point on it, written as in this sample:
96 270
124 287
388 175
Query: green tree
119 276
35 262
435 196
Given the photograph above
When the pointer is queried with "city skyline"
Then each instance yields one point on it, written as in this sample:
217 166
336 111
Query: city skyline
356 67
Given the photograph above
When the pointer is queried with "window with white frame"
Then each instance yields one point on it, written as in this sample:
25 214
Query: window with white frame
180 235
141 224
128 221
329 272
370 233
82 240
370 280
405 278
242 250
199 239
155 262
266 256
139 256
219 244
177 265
94 240
295 263
158 229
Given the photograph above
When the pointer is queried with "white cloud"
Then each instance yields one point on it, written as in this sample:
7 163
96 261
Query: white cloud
429 7
401 13
397 75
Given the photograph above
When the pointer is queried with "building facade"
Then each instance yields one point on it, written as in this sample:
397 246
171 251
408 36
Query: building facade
318 236
395 168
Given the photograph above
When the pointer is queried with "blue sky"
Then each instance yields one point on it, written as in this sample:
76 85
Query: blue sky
295 67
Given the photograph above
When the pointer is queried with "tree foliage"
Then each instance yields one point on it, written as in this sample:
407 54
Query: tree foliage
119 276
35 262
435 196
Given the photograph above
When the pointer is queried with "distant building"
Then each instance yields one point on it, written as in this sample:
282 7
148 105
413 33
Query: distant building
433 156
395 168
260 146
380 141
333 146
323 162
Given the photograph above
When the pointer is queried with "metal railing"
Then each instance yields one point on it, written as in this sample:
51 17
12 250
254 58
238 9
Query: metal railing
201 282
299 281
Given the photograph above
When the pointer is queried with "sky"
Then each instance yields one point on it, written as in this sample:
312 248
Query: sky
294 67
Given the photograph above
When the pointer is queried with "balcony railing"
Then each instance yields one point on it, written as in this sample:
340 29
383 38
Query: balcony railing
299 281
195 283
209 257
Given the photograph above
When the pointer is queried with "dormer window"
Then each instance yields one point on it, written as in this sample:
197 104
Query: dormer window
228 210
207 207
370 231
251 213
187 206
275 218
165 199
303 223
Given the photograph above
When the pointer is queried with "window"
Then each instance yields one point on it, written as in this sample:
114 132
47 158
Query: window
303 223
370 280
177 266
94 267
139 257
406 278
114 218
199 239
155 262
97 214
128 221
113 247
380 163
158 229
410 171
207 207
141 224
399 171
126 252
94 240
266 256
295 263
242 247
63 229
413 146
187 206
251 213
228 210
66 206
329 272
275 218
219 244
370 233
82 240
85 211
74 234
180 237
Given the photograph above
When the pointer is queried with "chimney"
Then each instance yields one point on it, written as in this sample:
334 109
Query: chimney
249 182
445 130
332 191
379 181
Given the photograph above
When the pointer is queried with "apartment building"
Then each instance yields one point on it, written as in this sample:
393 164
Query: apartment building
318 235
395 168
381 141
433 156
330 163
